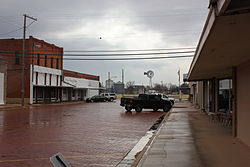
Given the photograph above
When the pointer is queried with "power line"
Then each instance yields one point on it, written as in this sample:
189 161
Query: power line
108 55
8 21
131 50
111 59
30 23
128 54
135 58
11 31
122 17
118 50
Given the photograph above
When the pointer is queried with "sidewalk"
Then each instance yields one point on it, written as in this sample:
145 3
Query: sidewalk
19 106
10 106
188 139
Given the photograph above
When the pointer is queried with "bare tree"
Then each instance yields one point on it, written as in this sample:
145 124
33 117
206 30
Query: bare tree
130 86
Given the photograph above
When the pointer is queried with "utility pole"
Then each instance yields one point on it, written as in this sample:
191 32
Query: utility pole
123 82
179 85
23 57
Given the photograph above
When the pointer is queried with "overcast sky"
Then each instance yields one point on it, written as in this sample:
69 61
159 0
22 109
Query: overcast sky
121 25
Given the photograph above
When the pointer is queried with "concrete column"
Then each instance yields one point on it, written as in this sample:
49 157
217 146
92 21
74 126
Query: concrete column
213 95
234 100
216 95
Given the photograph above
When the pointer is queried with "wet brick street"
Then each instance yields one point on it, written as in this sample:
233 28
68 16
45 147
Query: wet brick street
91 134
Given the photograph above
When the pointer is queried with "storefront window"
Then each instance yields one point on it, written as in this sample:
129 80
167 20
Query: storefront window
207 96
225 94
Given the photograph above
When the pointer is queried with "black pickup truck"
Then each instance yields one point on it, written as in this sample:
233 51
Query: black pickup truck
148 101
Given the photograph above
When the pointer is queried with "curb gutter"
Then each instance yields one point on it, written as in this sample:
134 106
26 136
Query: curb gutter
133 157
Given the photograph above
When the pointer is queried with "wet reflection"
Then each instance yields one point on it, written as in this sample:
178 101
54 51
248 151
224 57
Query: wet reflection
95 132
11 120
39 119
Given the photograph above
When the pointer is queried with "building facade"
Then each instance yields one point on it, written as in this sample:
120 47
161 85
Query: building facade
109 85
221 66
135 89
119 87
3 85
43 67
79 86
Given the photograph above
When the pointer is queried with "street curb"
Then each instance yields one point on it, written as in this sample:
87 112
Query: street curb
12 108
39 105
140 154
142 158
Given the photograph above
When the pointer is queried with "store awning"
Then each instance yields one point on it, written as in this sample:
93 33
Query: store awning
223 45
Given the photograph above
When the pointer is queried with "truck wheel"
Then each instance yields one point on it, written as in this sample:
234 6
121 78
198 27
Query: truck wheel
166 108
138 108
155 109
128 108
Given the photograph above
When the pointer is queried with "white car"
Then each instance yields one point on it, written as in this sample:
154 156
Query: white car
110 96
163 96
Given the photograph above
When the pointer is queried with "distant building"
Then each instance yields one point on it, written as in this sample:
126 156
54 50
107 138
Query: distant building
79 86
135 89
185 77
109 85
119 88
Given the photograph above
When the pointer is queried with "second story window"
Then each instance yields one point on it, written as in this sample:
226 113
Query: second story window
51 63
38 59
57 63
45 61
17 57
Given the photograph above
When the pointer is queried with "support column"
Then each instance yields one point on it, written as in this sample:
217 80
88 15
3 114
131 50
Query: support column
216 95
35 89
234 100
60 94
43 94
212 95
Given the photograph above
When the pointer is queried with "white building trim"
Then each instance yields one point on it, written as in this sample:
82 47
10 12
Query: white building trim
38 75
92 86
47 70
1 88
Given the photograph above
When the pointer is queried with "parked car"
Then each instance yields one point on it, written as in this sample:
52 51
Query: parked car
110 96
166 97
97 98
148 101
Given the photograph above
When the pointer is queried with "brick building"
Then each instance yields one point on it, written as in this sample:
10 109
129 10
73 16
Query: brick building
43 65
79 86
3 85
43 70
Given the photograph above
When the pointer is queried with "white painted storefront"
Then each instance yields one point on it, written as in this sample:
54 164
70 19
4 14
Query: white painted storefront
43 76
91 87
71 88
1 88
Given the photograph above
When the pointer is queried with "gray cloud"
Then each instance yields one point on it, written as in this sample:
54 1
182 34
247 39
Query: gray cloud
122 24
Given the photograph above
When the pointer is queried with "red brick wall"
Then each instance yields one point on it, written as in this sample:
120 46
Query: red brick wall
80 75
8 47
49 52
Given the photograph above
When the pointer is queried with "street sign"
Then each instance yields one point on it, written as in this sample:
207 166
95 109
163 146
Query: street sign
59 161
